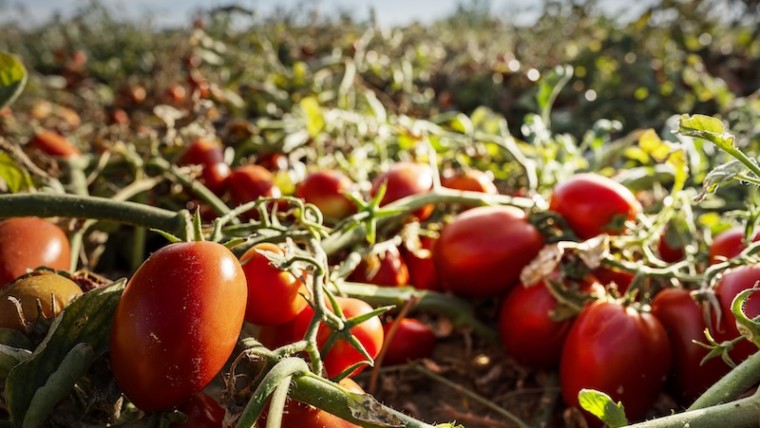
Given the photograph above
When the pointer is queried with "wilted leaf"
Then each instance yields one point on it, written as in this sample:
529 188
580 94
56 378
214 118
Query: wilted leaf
12 78
718 176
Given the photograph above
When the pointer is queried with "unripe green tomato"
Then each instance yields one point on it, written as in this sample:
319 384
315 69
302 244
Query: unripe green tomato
53 291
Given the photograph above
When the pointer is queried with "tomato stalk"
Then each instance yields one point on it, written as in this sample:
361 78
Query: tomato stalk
194 185
275 377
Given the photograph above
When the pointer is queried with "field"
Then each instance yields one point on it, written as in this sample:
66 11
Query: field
334 224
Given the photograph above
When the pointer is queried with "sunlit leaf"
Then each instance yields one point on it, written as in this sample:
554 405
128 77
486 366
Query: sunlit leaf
12 78
601 405
315 121
15 177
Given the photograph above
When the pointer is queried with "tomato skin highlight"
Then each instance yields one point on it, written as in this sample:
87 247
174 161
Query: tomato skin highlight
619 351
405 179
177 323
413 340
730 284
326 190
728 244
684 322
30 242
274 295
482 251
593 204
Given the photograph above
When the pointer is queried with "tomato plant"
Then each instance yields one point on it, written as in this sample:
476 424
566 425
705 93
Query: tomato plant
729 285
327 190
274 296
412 340
684 321
405 179
201 411
593 204
177 323
52 292
728 244
617 350
387 268
422 271
482 251
30 242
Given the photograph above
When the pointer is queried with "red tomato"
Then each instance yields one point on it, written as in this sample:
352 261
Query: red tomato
526 328
422 272
326 190
607 275
729 244
250 182
176 93
412 341
391 269
300 415
177 323
471 180
684 321
274 295
617 350
405 179
342 355
669 248
208 154
731 284
593 204
202 411
54 144
30 242
482 251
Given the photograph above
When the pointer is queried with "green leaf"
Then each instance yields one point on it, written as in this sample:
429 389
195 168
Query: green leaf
708 128
12 78
747 327
15 177
84 324
720 175
601 405
315 121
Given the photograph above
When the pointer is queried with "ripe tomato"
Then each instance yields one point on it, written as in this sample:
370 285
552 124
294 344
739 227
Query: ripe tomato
405 179
300 415
412 341
54 144
608 275
670 252
422 272
51 291
201 411
30 242
274 295
250 182
388 268
326 190
684 321
472 180
731 284
210 156
593 204
177 323
729 244
342 355
482 251
526 328
617 350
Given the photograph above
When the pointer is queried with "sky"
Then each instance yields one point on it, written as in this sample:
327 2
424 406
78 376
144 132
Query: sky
388 12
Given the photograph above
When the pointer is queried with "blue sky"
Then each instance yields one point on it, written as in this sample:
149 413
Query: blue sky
389 12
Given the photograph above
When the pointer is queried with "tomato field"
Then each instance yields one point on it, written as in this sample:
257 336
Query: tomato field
315 221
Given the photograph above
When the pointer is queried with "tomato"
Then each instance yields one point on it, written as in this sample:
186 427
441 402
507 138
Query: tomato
274 295
201 411
729 244
326 190
30 242
471 180
593 204
684 321
54 144
729 285
341 355
51 291
300 415
670 247
617 350
482 251
250 182
422 272
404 179
176 93
413 340
608 275
388 268
177 323
210 156
526 328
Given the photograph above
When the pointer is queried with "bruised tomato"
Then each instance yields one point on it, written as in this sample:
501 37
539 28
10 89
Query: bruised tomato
46 291
483 250
730 284
274 296
617 350
30 242
422 272
472 180
54 144
684 321
729 244
327 191
177 323
412 340
593 204
405 179
387 268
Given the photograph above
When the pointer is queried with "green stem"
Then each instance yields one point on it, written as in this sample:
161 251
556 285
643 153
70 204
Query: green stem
92 207
736 382
194 185
277 403
736 414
